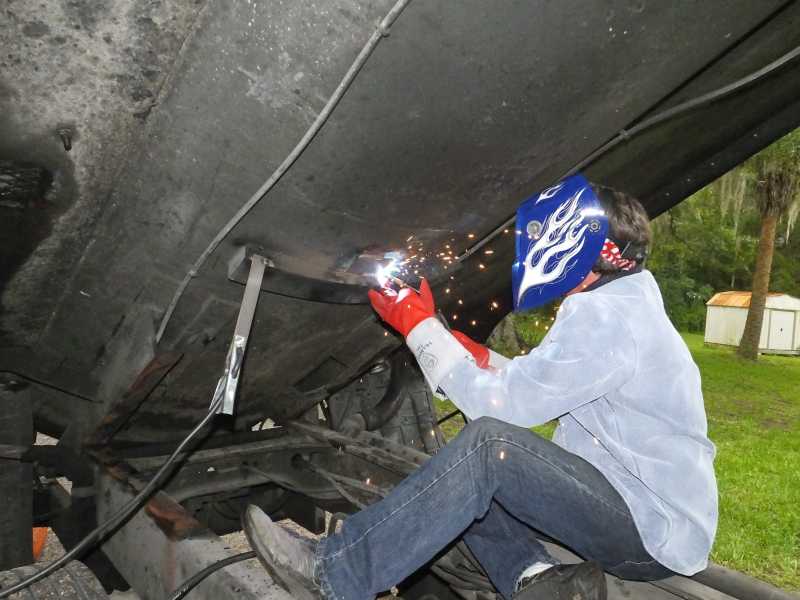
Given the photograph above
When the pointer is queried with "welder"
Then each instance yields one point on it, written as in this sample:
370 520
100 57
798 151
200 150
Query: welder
627 481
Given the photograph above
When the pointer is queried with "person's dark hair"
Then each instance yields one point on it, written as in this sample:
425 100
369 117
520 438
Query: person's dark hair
628 226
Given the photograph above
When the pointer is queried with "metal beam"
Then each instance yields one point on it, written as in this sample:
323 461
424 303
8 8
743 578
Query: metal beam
162 546
215 470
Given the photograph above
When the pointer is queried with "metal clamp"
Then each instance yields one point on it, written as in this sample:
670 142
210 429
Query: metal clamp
229 382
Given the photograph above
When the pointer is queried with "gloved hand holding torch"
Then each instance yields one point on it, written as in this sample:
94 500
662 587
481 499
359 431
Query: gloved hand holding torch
413 314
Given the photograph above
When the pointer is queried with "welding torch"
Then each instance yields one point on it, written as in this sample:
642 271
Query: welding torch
403 284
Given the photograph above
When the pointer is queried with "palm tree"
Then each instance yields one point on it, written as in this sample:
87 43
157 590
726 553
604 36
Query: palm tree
733 188
777 192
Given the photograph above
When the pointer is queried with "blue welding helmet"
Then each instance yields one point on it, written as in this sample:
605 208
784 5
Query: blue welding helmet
560 233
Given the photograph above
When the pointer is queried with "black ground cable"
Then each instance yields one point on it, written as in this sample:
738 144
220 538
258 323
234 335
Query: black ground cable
449 416
381 31
625 134
191 583
123 513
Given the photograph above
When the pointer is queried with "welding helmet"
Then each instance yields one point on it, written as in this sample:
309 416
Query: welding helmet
559 236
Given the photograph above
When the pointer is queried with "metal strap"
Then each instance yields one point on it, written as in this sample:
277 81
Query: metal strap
229 382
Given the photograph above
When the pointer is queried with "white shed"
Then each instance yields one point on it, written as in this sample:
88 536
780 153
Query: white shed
726 313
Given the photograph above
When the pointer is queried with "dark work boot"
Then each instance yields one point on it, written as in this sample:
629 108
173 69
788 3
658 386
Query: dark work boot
584 581
287 557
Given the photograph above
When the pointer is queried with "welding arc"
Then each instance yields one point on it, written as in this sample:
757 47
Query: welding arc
625 134
96 535
191 583
381 31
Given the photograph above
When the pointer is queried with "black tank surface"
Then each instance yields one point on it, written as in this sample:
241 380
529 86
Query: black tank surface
137 130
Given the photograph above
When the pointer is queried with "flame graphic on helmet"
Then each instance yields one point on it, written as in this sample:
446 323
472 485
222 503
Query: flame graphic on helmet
550 192
562 238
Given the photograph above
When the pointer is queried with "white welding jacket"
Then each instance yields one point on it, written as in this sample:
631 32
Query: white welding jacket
627 396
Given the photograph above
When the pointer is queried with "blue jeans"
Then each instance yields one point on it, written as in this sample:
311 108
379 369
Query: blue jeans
496 485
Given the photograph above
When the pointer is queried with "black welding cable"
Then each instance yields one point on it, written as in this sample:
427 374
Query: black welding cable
348 78
380 31
191 583
123 513
626 134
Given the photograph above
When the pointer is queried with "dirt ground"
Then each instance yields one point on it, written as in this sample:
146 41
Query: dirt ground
53 548
237 542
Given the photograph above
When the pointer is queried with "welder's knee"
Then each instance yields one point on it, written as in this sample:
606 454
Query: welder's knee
485 427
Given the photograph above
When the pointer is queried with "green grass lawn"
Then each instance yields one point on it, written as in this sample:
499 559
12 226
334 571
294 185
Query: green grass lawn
754 419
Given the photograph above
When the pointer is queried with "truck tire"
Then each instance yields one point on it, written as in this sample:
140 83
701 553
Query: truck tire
398 391
399 383
73 582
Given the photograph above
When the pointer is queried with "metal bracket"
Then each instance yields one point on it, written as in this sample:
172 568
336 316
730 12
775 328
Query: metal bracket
229 382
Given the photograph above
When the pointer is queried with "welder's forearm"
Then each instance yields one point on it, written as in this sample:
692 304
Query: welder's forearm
436 350
486 393
476 392
505 393
533 389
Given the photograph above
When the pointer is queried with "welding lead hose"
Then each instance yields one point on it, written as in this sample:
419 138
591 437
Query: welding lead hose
195 580
96 535
626 134
93 537
381 31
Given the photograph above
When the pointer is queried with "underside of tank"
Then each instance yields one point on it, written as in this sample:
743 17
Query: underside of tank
132 132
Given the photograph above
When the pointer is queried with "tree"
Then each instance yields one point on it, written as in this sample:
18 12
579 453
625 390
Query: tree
777 191
732 191
696 251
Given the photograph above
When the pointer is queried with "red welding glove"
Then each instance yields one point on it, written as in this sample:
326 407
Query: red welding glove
479 352
413 314
405 309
